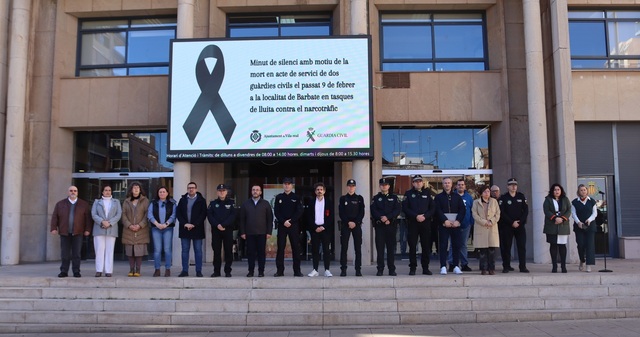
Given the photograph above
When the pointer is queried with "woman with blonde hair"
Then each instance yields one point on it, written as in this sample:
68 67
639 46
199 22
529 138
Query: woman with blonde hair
106 213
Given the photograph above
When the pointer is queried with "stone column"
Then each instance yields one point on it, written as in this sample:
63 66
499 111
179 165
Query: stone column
14 143
537 125
4 48
182 169
567 161
362 168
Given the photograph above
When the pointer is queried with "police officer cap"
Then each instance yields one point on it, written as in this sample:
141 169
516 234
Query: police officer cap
287 180
512 181
385 181
416 177
222 187
351 182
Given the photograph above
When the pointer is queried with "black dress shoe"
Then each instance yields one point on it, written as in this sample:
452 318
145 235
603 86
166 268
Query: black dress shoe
278 274
511 268
261 274
77 275
62 274
227 274
412 271
358 273
250 274
392 273
379 273
505 270
524 270
183 274
215 275
466 268
298 274
343 273
426 272
199 274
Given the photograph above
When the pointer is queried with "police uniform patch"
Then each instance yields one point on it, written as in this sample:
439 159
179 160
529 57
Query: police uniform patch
217 205
280 201
379 199
227 206
413 195
346 203
508 202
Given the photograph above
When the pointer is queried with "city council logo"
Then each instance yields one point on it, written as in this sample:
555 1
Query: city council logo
255 136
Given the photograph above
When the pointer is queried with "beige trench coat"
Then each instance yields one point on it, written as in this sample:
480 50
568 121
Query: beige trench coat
483 236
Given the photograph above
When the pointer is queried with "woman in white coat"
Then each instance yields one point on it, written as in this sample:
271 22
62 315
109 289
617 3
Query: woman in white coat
106 213
486 213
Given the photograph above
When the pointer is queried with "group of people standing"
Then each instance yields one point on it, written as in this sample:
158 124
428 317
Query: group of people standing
496 220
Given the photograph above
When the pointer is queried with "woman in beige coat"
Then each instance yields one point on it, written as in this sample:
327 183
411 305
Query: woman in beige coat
486 213
135 230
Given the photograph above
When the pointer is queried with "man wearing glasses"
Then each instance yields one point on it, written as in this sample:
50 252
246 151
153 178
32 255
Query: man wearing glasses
71 220
191 213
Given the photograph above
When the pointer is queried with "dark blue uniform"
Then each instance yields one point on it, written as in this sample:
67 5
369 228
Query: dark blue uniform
448 204
222 212
512 209
351 208
385 205
417 202
288 207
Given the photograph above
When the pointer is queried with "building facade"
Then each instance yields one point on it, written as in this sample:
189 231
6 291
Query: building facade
482 90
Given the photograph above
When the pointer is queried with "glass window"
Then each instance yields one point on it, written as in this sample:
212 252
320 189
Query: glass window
121 152
432 41
435 148
125 46
270 25
604 39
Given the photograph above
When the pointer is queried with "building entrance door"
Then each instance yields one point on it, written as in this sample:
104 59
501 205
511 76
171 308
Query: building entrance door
90 187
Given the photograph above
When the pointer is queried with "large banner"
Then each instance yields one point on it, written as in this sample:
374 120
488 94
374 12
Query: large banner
270 98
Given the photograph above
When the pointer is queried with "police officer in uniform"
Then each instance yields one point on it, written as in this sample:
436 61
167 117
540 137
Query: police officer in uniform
418 208
221 214
385 208
513 216
351 211
288 210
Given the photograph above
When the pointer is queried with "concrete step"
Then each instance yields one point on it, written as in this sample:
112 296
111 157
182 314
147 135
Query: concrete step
29 304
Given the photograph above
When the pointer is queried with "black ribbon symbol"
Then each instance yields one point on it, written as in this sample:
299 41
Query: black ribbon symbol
209 99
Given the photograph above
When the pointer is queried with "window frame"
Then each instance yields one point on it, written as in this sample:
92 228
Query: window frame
277 24
606 20
432 24
127 66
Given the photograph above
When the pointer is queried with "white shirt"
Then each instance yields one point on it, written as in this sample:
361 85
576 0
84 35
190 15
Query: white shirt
319 212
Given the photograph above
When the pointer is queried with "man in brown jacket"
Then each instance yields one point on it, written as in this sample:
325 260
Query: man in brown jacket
71 220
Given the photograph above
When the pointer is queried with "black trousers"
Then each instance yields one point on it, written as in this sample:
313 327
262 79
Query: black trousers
585 240
487 258
445 233
419 230
507 233
218 240
317 239
256 246
345 232
293 233
70 248
386 238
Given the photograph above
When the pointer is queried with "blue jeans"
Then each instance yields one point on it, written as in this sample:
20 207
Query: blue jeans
463 247
197 251
162 241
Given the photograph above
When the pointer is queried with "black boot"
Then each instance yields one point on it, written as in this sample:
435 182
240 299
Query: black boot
553 251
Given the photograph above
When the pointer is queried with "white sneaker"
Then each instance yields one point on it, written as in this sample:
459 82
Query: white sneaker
327 273
443 271
588 269
313 273
457 270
